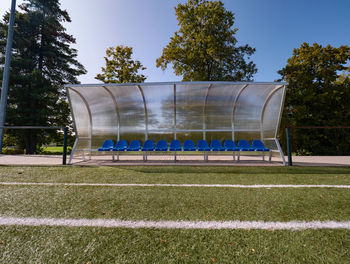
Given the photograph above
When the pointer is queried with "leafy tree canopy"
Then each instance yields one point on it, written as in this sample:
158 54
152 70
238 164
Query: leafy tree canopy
318 95
205 47
120 68
42 63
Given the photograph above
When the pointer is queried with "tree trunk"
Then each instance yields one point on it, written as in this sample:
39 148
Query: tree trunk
30 142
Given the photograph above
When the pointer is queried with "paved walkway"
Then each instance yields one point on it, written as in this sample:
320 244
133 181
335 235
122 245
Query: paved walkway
136 160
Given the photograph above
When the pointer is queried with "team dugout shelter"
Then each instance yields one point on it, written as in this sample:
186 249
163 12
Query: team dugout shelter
175 110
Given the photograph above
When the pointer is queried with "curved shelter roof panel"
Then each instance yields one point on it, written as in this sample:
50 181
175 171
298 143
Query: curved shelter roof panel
182 110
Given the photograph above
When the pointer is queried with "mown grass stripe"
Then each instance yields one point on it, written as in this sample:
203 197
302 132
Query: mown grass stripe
115 223
180 185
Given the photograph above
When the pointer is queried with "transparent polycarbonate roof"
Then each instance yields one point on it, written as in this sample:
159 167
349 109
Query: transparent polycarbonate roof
181 110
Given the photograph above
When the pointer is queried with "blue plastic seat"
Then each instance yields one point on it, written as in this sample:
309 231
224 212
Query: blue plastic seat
175 145
107 145
148 145
230 145
258 145
244 145
135 145
215 145
162 145
122 145
202 145
189 145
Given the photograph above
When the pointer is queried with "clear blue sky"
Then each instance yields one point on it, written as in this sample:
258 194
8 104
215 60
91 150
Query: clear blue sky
273 27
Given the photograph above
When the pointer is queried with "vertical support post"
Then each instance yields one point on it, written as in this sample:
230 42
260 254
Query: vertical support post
175 114
6 76
289 148
65 135
234 110
146 112
204 112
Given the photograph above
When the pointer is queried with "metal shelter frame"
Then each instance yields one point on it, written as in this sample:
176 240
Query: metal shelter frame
175 130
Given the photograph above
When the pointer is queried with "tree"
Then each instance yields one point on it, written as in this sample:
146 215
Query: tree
204 48
318 95
120 68
42 63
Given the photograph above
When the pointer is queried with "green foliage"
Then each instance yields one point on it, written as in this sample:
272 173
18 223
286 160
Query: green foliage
318 95
42 63
120 68
204 48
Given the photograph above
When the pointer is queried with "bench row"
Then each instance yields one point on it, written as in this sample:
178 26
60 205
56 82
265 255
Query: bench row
175 145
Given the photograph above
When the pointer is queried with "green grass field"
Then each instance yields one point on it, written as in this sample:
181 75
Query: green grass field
49 244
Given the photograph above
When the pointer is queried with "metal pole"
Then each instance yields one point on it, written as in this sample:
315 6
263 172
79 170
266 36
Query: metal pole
5 80
289 148
64 161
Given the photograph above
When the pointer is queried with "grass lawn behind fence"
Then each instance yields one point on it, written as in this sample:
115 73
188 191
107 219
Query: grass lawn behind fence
19 244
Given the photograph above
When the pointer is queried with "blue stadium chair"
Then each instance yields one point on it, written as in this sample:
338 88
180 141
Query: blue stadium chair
230 145
147 146
135 145
244 145
202 145
215 145
175 145
189 145
107 145
162 145
122 145
258 145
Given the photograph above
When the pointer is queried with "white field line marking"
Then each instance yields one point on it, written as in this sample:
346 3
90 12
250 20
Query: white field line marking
178 185
293 225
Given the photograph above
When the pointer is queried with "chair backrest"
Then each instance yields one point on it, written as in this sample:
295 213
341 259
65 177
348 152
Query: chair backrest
258 144
202 144
122 144
162 144
188 144
229 144
135 144
108 143
215 144
149 143
175 145
243 143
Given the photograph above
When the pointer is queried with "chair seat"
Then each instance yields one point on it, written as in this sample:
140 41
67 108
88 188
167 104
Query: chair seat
161 149
175 149
246 149
133 149
120 149
262 149
104 149
217 149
